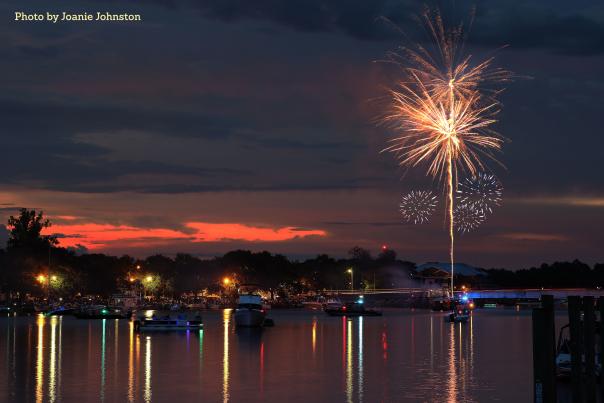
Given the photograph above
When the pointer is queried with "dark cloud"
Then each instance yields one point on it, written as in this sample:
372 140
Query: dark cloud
519 24
522 28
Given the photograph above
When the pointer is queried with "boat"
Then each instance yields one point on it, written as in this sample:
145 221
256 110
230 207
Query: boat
351 309
563 354
60 311
332 303
315 304
250 311
153 321
461 315
101 312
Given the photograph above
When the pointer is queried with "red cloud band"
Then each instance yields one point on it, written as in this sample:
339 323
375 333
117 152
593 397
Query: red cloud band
98 236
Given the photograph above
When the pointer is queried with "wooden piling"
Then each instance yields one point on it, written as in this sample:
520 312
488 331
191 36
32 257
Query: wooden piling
544 365
576 346
601 324
589 340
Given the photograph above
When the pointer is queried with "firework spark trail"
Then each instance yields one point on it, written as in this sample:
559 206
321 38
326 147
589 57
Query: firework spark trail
444 110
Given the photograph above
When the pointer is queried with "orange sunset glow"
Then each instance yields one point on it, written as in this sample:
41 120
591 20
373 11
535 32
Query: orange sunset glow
97 236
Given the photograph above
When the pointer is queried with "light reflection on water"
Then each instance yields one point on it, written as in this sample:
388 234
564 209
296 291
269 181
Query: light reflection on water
40 360
226 321
403 356
148 369
131 362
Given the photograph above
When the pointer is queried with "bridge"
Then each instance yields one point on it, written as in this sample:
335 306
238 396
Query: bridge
512 293
534 293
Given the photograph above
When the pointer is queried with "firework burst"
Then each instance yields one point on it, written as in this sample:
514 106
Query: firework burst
417 206
467 217
444 109
483 192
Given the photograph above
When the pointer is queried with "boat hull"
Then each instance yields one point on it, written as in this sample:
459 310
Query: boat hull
458 318
249 317
167 328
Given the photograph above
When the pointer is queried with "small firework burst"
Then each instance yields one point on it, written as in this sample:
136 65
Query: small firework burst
417 206
482 191
467 218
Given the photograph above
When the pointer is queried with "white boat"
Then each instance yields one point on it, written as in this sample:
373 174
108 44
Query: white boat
250 311
333 303
168 321
315 304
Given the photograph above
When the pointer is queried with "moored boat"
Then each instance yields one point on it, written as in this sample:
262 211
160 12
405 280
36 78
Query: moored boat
461 309
60 311
250 311
168 321
101 312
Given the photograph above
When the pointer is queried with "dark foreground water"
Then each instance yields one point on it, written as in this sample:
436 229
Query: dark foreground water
404 356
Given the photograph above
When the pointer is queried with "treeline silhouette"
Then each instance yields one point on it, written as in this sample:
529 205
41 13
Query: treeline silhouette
555 275
33 264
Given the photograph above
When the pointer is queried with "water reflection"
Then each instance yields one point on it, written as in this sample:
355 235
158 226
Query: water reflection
200 350
147 392
360 367
52 369
460 360
350 371
373 362
349 361
452 372
226 320
40 360
131 362
314 334
116 332
262 368
103 340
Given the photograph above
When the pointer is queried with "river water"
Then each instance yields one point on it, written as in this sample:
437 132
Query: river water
404 356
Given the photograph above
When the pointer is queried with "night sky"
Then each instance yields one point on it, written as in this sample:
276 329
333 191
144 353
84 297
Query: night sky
224 124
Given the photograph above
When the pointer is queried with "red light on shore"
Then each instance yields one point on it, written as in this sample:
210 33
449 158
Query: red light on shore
384 247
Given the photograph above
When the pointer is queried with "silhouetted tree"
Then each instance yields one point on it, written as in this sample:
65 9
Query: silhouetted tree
25 231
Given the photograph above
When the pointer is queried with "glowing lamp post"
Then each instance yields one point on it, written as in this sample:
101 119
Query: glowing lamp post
351 272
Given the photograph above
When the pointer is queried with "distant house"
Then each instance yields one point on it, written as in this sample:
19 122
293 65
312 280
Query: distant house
438 275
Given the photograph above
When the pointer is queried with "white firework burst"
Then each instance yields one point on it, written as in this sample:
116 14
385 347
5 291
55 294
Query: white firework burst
467 217
482 192
417 206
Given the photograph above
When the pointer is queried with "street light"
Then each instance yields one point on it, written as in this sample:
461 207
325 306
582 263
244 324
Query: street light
53 278
351 278
149 279
226 281
41 279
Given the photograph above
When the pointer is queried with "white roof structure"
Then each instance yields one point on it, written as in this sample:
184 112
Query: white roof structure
444 269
